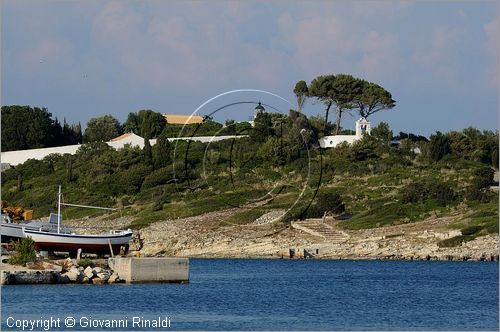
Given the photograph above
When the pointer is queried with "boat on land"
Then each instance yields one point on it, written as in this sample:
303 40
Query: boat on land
109 243
12 231
60 240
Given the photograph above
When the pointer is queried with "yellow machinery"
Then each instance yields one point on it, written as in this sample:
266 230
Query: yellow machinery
16 213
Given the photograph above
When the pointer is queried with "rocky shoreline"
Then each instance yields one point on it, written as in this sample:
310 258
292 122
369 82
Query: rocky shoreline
205 236
60 272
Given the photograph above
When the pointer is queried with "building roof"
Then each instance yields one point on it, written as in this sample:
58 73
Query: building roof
182 119
260 107
119 138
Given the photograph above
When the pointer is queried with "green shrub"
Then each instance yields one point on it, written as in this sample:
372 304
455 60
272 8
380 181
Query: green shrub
8 175
327 202
86 262
159 177
439 146
24 251
159 201
494 158
455 241
475 194
471 230
483 177
364 149
32 168
423 190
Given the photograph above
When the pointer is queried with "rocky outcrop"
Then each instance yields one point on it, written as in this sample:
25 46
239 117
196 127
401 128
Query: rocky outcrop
68 273
203 236
208 237
320 228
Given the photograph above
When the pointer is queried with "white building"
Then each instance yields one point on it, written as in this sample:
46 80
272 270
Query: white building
362 127
14 158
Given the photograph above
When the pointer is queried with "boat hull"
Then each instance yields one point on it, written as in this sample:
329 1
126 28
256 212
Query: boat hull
95 244
11 231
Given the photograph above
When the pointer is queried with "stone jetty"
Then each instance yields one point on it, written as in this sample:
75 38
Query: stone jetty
61 272
99 272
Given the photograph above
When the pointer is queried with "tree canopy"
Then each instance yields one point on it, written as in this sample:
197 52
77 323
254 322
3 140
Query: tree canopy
373 98
145 123
382 132
26 127
340 91
320 88
439 146
347 93
301 92
102 129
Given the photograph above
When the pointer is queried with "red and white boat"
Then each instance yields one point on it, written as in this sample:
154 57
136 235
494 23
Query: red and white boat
89 243
61 240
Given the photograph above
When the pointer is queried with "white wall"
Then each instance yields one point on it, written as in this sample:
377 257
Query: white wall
362 128
14 158
18 157
333 141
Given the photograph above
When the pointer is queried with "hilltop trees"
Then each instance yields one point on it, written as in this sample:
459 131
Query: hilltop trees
26 127
145 123
131 125
473 144
439 146
340 91
382 132
346 89
373 98
161 151
102 129
263 127
320 88
347 93
301 92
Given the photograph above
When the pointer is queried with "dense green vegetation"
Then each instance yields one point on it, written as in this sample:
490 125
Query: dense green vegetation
278 166
344 93
25 127
275 165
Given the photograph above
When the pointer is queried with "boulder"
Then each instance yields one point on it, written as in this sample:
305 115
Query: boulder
98 281
68 262
85 280
97 270
6 278
103 275
113 278
50 266
73 274
63 279
89 272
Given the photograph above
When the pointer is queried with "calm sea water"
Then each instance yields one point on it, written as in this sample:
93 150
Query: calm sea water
282 295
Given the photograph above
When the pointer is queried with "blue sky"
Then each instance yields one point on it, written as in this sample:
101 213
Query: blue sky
80 59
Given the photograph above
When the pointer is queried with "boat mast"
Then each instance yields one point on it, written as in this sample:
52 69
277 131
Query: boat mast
59 212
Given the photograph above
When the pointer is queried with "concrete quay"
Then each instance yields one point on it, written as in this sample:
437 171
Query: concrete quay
121 269
151 269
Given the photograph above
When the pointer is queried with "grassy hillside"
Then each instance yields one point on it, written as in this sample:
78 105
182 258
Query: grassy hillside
276 168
